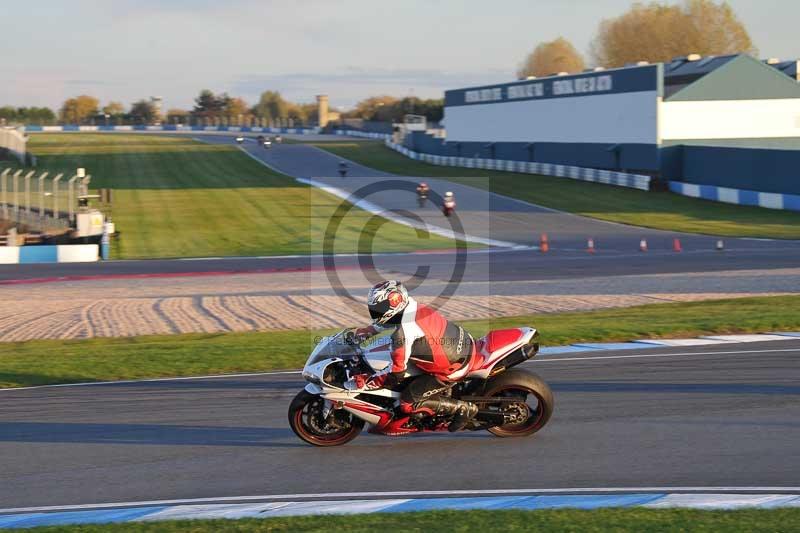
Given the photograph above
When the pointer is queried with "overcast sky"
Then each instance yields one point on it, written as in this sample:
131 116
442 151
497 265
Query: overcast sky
129 49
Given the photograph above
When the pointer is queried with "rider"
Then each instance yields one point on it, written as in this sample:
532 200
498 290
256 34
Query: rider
441 349
422 189
449 200
342 168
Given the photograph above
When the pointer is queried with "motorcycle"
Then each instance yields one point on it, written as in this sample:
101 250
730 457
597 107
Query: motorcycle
512 402
448 208
422 197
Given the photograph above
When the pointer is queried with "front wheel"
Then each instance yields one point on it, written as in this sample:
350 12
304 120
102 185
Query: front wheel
532 410
306 420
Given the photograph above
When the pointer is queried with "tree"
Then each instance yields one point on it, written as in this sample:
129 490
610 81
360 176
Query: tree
79 109
27 115
303 113
659 32
208 105
236 109
143 112
177 116
114 109
271 106
390 109
8 115
374 108
550 58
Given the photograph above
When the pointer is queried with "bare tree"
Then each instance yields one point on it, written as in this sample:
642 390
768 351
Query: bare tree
550 58
658 32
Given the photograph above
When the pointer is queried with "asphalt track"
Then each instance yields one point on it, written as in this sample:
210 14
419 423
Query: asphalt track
481 213
711 416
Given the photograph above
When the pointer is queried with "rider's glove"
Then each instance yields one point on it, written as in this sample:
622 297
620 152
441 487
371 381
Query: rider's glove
365 382
359 335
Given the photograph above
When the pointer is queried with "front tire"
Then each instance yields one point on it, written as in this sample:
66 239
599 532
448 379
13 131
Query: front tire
305 419
534 408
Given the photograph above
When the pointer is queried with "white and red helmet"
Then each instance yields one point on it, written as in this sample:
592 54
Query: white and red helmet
386 301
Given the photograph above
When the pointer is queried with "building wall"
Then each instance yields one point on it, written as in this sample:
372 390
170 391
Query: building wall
753 169
730 119
606 119
610 118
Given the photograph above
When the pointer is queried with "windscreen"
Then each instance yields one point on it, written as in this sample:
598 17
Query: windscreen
331 346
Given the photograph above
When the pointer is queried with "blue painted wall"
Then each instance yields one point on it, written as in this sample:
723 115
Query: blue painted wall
752 169
613 81
592 155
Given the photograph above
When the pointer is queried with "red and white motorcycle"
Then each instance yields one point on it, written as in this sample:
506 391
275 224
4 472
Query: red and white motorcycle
512 402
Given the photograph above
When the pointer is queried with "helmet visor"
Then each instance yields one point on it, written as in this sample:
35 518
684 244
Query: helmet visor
378 310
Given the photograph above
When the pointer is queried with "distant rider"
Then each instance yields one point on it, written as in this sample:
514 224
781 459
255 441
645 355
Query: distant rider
342 169
422 193
449 204
442 349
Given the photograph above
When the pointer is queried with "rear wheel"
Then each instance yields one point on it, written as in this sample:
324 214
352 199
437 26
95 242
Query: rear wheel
533 407
307 421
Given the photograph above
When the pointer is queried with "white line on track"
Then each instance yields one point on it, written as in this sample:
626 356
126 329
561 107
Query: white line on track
642 356
150 380
409 494
542 359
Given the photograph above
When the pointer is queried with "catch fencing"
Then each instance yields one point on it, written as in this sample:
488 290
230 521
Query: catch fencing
14 143
40 200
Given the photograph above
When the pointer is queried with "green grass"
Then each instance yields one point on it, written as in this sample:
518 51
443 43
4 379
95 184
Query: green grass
566 520
175 197
661 210
100 359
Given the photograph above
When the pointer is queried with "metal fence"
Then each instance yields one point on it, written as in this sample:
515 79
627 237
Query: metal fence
40 201
14 142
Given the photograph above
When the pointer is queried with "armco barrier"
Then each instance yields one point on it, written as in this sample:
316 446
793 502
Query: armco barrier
770 200
620 179
170 127
60 253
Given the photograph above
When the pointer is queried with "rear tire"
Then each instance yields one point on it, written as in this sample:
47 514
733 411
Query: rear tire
304 420
522 384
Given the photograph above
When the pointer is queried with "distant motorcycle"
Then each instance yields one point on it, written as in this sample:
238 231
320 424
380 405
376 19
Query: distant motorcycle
342 169
422 194
512 402
239 139
449 205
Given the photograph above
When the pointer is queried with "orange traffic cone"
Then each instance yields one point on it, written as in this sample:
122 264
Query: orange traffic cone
590 245
676 245
643 245
544 244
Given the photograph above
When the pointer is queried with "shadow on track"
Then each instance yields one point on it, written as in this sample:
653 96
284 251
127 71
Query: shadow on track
660 388
158 434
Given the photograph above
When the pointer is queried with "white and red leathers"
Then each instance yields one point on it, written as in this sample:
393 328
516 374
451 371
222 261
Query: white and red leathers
436 346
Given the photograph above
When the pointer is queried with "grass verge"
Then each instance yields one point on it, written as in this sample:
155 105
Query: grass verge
661 210
175 197
568 520
101 359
